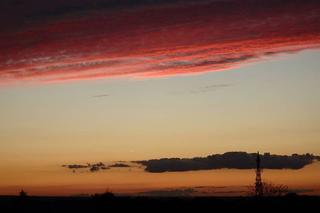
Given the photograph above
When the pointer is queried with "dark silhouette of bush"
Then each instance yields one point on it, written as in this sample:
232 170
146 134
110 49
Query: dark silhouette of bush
270 189
107 195
23 194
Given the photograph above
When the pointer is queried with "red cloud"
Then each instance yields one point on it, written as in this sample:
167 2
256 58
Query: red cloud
155 41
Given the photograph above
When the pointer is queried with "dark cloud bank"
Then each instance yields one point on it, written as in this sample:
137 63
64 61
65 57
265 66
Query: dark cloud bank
230 160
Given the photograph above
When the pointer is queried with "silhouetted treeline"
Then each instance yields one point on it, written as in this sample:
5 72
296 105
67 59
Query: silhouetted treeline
156 204
231 160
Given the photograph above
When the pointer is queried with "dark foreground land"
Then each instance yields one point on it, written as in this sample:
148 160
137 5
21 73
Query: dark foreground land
153 204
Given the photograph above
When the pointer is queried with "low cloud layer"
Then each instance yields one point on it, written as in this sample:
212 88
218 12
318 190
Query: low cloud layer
230 160
120 165
198 191
223 191
83 40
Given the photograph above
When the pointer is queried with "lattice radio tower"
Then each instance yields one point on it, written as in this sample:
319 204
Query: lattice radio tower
258 185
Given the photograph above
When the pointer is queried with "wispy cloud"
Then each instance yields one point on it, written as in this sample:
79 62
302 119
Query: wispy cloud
90 167
100 96
209 88
202 89
95 167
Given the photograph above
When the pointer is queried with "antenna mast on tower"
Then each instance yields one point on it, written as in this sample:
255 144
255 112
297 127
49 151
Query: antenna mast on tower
258 185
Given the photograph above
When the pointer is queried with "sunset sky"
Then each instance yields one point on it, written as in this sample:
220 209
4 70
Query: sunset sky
90 81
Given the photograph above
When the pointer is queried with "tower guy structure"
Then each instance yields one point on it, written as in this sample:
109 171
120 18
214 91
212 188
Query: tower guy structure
258 184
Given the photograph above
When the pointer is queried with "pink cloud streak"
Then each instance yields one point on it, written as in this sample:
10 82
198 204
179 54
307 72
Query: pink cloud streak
155 41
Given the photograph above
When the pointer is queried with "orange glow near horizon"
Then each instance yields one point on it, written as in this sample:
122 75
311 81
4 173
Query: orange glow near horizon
134 181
